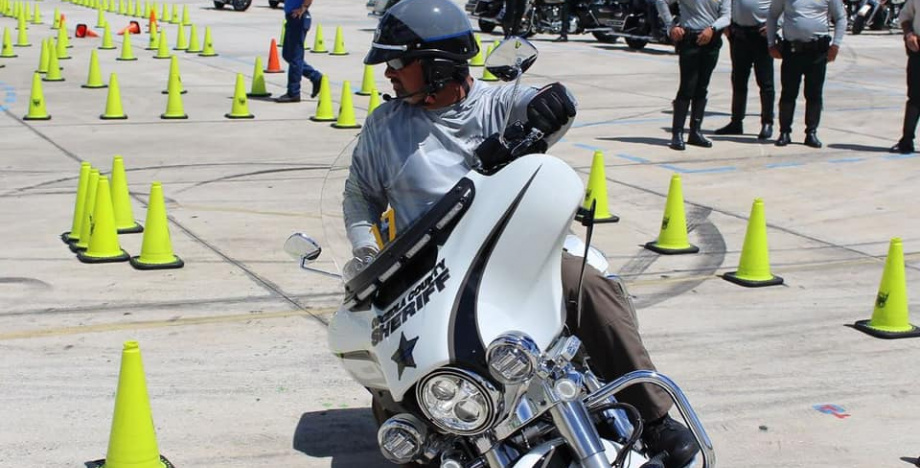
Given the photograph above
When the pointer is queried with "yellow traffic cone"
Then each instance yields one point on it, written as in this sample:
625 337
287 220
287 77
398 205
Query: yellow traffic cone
258 82
194 45
596 193
37 109
113 110
43 58
754 266
153 43
673 237
131 9
367 84
174 108
121 199
133 439
74 233
100 18
891 315
89 204
186 21
57 20
164 13
94 79
107 43
63 42
127 54
122 8
7 51
319 46
23 38
37 17
339 46
280 43
156 250
181 39
346 117
324 105
174 70
240 107
175 19
103 237
208 44
374 101
479 59
54 68
162 47
486 74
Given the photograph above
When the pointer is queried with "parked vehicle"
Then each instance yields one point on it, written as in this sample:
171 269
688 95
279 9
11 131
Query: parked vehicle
877 15
238 5
379 7
466 372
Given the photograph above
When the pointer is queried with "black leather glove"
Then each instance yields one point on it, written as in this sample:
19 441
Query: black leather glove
550 109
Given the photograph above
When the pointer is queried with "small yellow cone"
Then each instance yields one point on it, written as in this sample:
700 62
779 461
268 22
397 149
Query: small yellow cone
7 51
367 84
754 266
181 39
100 18
153 43
186 21
63 42
162 47
283 32
174 70
208 44
74 233
596 192
319 46
346 117
82 241
240 107
54 68
22 39
194 45
258 89
133 439
122 8
37 16
374 101
37 109
43 58
131 8
156 251
324 105
107 42
174 107
175 19
339 46
121 199
127 54
890 319
164 13
94 78
57 20
113 110
103 237
673 237
479 59
486 74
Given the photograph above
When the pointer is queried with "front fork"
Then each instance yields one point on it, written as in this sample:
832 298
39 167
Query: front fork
576 427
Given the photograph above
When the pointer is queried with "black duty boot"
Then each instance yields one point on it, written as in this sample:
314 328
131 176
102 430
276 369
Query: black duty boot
811 140
786 111
696 137
677 125
906 143
812 119
766 115
735 127
784 139
668 435
766 131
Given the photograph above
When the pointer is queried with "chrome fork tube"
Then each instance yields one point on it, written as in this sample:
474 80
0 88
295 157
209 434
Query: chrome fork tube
574 424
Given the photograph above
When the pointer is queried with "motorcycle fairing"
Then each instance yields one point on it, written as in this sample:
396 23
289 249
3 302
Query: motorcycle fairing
499 270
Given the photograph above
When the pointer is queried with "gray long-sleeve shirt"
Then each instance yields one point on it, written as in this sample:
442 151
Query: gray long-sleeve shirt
805 20
409 157
909 14
750 12
698 14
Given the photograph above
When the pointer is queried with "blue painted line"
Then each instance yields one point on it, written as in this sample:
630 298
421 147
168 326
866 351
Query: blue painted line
632 158
901 156
621 122
787 164
681 170
845 160
587 147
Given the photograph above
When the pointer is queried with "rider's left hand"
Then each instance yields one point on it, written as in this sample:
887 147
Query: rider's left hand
550 109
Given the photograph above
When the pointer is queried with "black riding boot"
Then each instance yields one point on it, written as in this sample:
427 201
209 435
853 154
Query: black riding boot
739 108
786 111
812 119
677 124
906 143
766 115
696 137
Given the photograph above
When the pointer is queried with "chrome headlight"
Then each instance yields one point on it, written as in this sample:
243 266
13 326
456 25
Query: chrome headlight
512 358
459 401
402 438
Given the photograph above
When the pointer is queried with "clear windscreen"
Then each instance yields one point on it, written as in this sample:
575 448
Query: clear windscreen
335 240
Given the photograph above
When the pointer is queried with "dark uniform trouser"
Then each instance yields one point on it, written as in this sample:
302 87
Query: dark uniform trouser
808 60
511 21
696 65
609 329
749 49
912 109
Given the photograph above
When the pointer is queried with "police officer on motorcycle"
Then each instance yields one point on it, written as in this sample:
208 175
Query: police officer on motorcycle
416 146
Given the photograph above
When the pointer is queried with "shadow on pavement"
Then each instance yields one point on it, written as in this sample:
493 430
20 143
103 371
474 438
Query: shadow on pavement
348 436
864 148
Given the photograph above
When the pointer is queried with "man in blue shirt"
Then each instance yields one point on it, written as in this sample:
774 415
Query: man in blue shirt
297 23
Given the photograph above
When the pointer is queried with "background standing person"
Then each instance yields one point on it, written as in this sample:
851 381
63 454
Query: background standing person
567 8
511 21
910 24
698 38
806 49
296 24
747 37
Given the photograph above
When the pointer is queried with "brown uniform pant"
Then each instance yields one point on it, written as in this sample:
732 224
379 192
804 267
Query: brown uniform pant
609 329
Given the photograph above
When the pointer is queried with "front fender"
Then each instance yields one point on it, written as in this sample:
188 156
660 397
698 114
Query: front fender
538 456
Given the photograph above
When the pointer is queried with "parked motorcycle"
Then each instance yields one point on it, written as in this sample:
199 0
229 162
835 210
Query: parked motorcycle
238 5
876 15
379 7
455 328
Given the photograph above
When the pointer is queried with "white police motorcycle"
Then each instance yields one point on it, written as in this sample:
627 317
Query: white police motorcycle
458 323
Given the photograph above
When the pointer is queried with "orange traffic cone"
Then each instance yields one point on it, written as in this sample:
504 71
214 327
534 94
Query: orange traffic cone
84 31
274 65
133 28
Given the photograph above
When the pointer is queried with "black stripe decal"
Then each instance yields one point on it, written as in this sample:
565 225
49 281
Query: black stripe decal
464 341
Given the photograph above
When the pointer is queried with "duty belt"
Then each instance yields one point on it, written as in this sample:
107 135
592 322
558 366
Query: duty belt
818 44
